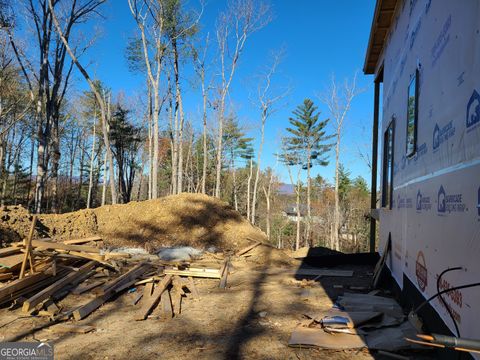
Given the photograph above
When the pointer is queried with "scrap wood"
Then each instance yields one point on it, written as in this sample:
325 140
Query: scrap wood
71 328
324 272
56 286
176 298
315 337
27 243
147 292
82 254
247 249
224 274
127 279
20 284
109 290
15 289
157 293
82 288
52 308
6 276
300 272
12 261
47 245
149 280
82 241
12 250
204 273
166 305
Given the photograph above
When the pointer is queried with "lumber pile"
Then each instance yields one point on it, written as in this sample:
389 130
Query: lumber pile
36 274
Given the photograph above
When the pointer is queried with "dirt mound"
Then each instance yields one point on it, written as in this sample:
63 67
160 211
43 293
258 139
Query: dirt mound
186 219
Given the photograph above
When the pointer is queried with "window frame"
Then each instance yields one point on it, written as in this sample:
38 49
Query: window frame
387 174
412 151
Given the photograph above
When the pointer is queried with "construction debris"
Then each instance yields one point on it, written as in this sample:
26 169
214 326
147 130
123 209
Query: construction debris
357 321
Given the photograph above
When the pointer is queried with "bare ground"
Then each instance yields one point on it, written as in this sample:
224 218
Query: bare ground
222 324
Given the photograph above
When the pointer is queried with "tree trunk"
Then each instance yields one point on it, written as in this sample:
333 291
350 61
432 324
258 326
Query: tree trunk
267 199
205 153
30 169
234 174
297 239
80 177
259 158
150 140
92 157
309 209
179 110
249 182
104 187
336 214
98 96
55 163
218 175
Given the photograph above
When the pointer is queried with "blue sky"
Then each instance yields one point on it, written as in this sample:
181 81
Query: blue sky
320 38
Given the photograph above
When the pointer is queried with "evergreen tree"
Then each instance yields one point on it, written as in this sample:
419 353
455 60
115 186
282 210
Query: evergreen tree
309 141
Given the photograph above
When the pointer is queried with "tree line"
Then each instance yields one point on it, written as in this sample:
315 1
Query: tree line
62 149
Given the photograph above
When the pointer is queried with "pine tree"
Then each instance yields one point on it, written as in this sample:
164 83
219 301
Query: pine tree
310 141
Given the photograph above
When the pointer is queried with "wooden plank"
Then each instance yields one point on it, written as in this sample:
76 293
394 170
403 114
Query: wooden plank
149 280
176 296
47 245
6 276
82 241
202 274
28 249
247 249
88 308
12 250
147 293
324 272
12 261
166 305
50 290
224 273
112 288
97 257
80 289
157 293
71 328
132 274
27 285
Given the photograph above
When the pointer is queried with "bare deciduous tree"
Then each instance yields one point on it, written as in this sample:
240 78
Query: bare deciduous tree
234 26
94 4
339 101
266 101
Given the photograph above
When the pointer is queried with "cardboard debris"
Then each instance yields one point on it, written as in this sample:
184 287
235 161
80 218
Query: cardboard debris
319 338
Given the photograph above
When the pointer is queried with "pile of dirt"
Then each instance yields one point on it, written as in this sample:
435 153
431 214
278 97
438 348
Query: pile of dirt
187 219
